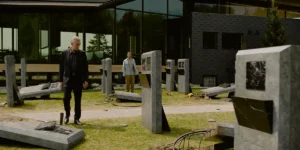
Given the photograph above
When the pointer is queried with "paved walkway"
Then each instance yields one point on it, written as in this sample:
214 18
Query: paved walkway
129 112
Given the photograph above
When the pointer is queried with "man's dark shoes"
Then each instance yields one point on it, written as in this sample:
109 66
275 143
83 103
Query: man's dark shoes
66 120
77 122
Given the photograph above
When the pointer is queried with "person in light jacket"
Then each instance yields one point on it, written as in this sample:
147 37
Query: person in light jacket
129 72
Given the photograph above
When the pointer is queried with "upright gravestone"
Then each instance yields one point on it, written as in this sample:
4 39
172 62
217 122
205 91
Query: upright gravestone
23 72
153 115
267 99
170 75
103 80
12 90
183 76
108 76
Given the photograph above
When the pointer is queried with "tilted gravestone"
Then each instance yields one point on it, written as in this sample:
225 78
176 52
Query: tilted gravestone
13 97
16 96
183 76
108 76
153 115
267 99
103 80
23 72
170 75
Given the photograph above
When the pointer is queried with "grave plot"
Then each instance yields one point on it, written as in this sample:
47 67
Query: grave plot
44 134
16 96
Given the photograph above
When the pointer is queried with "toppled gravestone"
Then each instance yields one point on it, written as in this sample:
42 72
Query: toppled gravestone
44 134
128 96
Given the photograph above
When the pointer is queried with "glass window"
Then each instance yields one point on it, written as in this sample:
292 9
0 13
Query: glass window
1 39
175 7
154 30
232 41
210 40
7 39
134 5
44 47
98 37
174 37
206 8
65 39
29 37
16 39
80 35
290 14
156 6
128 34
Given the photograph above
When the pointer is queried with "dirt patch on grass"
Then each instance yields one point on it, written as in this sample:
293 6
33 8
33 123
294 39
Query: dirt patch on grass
8 118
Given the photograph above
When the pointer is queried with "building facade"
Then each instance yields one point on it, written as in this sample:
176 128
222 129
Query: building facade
208 32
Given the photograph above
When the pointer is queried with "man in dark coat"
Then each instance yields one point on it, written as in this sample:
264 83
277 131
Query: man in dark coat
73 75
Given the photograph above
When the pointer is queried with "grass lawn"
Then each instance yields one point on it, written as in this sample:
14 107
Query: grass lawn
95 100
107 134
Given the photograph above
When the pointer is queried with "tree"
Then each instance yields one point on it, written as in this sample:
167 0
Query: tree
274 35
98 43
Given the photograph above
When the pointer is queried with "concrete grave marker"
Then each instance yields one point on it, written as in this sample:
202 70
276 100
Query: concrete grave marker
103 80
16 96
23 72
267 99
108 76
170 75
46 135
153 115
13 97
183 76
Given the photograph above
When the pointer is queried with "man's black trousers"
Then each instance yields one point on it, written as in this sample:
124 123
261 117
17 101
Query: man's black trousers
75 86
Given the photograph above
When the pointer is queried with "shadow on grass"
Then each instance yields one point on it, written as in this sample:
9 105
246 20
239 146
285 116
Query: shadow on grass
42 99
87 126
13 144
26 106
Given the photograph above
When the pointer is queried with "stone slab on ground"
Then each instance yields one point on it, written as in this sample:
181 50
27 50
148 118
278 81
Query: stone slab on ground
40 90
24 131
128 96
214 91
225 129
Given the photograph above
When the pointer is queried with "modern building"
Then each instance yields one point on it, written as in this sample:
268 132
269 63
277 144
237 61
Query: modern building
208 32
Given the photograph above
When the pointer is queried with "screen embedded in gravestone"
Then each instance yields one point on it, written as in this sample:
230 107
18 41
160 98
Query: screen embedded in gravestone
256 75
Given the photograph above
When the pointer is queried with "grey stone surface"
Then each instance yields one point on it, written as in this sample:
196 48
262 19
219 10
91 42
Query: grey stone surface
214 91
170 77
24 131
103 79
151 97
40 90
219 61
282 86
225 129
23 72
11 86
108 78
128 96
184 79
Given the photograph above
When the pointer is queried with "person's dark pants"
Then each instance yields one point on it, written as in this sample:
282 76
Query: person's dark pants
76 87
